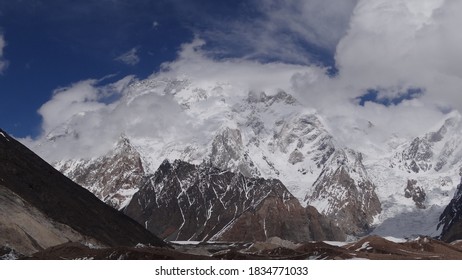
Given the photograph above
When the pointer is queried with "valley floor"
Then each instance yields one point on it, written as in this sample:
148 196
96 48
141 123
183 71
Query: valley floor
371 247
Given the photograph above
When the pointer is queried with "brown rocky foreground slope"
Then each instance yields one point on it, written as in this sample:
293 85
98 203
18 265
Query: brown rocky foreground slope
371 247
40 207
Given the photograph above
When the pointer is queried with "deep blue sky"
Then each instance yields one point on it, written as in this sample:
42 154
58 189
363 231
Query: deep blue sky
53 43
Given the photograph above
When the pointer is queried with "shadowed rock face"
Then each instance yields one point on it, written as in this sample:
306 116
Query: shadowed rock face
451 218
321 227
189 202
416 193
41 207
27 230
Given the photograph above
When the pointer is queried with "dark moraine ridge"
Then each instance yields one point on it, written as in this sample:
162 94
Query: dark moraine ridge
61 200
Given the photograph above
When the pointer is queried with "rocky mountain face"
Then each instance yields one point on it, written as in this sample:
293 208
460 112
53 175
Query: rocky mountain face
435 151
113 178
26 229
416 193
228 153
416 180
200 202
399 189
451 218
344 193
257 135
40 207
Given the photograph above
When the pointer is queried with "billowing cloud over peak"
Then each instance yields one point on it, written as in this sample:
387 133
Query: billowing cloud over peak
405 51
398 44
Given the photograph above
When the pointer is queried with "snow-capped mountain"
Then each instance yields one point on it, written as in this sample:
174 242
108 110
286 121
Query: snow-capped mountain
439 150
417 180
399 191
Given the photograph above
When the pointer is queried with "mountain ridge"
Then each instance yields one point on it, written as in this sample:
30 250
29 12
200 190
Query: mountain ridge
270 134
200 202
38 195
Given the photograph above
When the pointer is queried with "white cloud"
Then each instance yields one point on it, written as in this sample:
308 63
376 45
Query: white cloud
283 30
390 44
3 62
131 57
92 125
319 22
194 63
399 44
66 102
80 123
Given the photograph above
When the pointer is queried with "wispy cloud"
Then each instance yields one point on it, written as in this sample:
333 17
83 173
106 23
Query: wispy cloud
91 125
3 62
392 45
318 22
131 57
155 24
289 31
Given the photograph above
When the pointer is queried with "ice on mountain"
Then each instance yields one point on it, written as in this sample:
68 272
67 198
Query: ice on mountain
270 134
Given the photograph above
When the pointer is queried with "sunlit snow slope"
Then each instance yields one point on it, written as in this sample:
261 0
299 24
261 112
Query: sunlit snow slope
398 189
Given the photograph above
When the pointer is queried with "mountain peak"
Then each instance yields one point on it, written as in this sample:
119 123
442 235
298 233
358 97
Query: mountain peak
265 133
255 97
200 202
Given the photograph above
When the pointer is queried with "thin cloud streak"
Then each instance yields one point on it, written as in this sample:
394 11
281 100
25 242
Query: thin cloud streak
297 32
3 62
130 58
392 45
